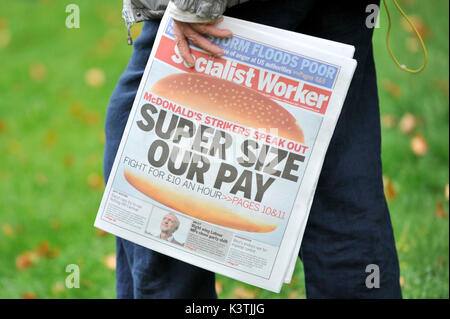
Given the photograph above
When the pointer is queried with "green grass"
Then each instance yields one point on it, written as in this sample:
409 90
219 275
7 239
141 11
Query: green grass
51 145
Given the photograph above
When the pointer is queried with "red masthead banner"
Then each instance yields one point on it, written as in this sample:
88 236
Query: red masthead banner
270 84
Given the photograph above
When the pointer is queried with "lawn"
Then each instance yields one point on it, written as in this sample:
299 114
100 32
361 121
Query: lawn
54 88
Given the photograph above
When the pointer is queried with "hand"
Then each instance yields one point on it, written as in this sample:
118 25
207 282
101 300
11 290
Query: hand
193 32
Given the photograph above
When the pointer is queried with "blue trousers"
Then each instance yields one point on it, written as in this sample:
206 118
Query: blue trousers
349 226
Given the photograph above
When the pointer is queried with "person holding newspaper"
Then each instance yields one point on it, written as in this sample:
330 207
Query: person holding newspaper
349 226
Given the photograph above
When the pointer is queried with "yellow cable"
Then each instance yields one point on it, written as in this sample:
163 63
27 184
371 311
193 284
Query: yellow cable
425 54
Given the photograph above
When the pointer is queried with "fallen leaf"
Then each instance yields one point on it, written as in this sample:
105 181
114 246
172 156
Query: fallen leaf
5 38
14 147
5 175
43 249
26 260
30 257
108 14
77 109
68 160
29 295
104 46
407 2
95 77
101 137
402 281
243 293
3 24
407 123
389 190
91 117
392 88
441 261
419 145
95 181
388 120
219 287
65 94
440 210
20 229
100 232
40 179
38 72
110 261
55 224
57 288
53 253
296 294
420 25
86 283
442 85
412 44
446 192
293 282
50 138
2 126
293 295
93 160
7 230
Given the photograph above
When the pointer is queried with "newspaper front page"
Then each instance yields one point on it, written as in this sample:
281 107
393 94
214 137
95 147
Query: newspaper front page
218 163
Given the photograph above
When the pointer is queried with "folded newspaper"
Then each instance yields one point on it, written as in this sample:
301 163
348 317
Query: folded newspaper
218 163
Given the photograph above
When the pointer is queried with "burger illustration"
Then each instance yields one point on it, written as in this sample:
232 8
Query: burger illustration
230 102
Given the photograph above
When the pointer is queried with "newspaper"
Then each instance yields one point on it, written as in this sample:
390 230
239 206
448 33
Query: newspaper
218 163
336 48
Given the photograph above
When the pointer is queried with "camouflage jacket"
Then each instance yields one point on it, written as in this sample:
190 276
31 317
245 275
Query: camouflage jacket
141 10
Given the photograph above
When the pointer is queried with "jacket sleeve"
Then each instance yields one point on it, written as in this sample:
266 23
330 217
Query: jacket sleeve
183 10
141 10
208 9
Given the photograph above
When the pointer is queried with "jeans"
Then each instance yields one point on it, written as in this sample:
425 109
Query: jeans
349 225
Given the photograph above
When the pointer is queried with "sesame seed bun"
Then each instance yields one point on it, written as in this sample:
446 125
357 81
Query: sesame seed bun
229 101
195 206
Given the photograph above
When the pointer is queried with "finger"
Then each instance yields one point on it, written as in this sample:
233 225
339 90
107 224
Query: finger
199 40
211 30
182 44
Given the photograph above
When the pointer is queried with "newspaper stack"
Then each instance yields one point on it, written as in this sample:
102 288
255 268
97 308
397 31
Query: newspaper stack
219 163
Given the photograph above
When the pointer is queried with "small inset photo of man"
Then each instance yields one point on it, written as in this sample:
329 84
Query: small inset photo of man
168 226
